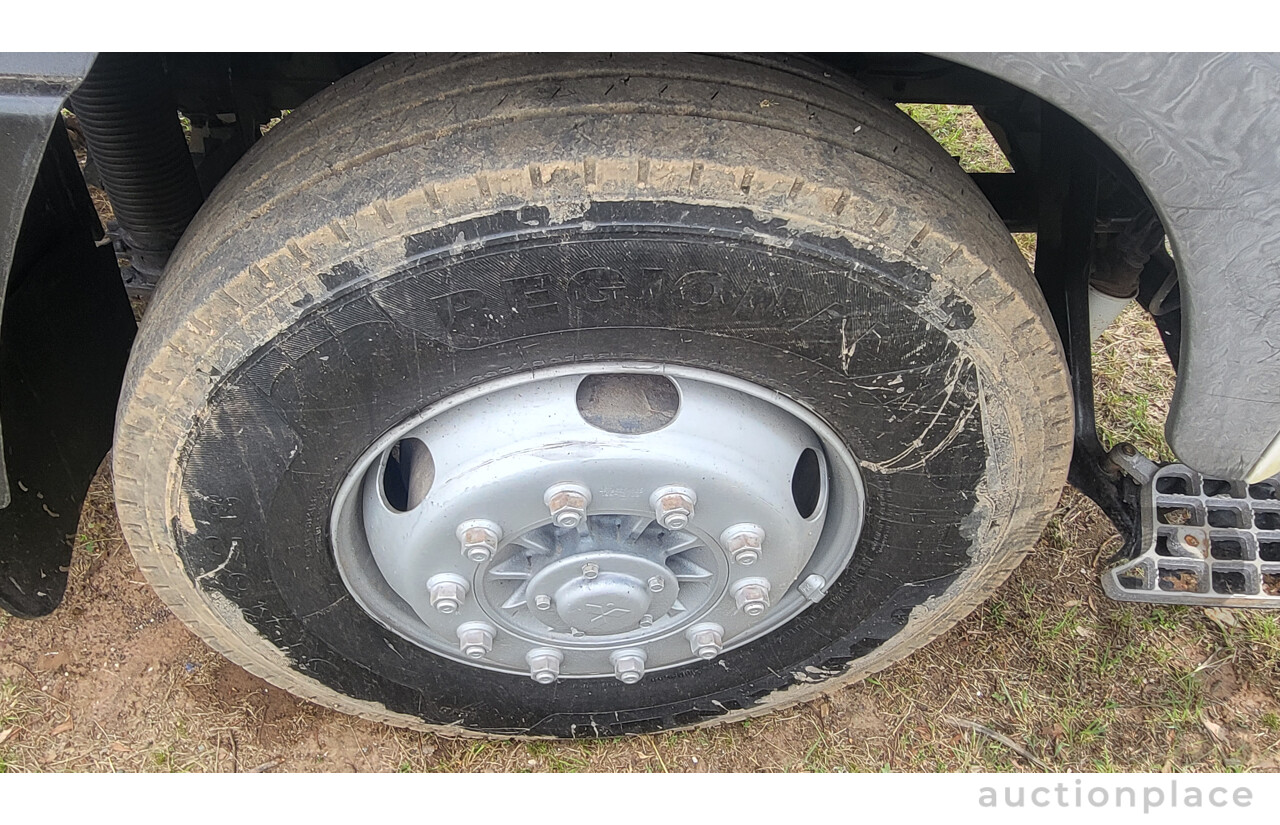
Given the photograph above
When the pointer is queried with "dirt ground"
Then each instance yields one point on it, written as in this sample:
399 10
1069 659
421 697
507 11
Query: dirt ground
1047 675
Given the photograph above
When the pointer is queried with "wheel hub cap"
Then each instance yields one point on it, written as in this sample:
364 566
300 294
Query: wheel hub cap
597 522
612 575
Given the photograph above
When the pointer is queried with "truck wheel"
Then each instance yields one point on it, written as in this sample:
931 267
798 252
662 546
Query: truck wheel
588 396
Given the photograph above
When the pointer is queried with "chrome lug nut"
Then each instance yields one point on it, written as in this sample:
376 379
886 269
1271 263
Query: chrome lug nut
628 665
743 542
479 539
656 584
751 595
542 601
705 640
448 591
590 570
544 664
568 504
673 506
475 639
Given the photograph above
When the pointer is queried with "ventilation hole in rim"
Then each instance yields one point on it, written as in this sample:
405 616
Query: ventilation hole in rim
409 474
806 483
628 403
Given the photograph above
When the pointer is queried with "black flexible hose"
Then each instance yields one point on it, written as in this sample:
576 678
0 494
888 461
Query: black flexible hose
130 125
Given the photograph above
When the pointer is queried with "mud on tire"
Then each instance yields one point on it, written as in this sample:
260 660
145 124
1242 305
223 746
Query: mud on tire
426 225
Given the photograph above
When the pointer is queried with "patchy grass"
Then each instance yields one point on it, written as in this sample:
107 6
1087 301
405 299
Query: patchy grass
1133 384
962 134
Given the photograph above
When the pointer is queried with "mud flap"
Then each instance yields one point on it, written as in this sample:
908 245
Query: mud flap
64 343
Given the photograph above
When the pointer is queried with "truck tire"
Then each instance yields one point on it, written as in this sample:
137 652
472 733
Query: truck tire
462 375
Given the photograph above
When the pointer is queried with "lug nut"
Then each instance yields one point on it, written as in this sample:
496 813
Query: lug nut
544 664
475 639
590 570
705 640
751 595
656 584
568 504
479 539
542 601
448 591
628 665
646 620
743 542
673 506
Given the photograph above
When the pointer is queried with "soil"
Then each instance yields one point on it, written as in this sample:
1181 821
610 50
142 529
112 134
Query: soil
112 681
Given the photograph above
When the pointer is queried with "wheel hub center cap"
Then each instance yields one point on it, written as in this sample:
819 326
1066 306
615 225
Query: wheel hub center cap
608 604
603 593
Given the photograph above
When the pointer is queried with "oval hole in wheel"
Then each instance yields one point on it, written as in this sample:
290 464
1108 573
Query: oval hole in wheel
806 483
627 403
409 473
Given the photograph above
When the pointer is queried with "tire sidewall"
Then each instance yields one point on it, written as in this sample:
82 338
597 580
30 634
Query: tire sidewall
261 468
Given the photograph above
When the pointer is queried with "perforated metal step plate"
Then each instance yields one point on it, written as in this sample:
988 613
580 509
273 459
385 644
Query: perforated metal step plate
1207 541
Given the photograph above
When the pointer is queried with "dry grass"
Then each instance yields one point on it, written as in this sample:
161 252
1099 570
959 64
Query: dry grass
1074 681
1133 385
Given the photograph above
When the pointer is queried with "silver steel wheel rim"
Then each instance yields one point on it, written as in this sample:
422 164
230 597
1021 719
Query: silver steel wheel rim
562 524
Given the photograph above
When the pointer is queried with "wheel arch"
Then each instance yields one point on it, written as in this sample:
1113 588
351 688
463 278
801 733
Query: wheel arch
1212 188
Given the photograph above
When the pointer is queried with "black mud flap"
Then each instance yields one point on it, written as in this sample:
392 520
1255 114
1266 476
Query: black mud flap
64 341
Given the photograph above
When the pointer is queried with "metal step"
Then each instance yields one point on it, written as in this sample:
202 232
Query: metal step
1207 541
